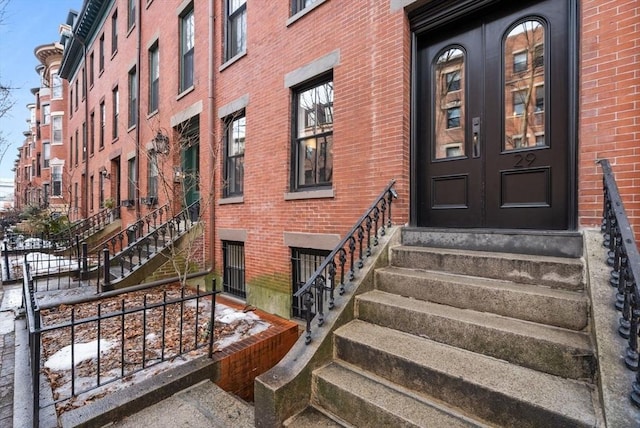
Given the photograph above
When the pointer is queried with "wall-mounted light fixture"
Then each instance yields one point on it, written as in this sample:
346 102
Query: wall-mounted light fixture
161 143
105 174
178 174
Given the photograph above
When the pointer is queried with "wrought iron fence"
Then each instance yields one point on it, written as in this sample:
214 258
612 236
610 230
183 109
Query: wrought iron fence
123 337
348 257
623 257
47 254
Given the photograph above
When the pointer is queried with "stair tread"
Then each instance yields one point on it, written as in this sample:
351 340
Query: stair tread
492 254
393 399
478 281
578 340
563 396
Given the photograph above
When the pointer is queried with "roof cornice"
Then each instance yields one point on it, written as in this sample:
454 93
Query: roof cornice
84 30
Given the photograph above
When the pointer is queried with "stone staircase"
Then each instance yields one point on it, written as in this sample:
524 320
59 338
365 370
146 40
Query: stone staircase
457 337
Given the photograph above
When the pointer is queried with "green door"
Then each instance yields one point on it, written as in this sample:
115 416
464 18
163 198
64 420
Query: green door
191 170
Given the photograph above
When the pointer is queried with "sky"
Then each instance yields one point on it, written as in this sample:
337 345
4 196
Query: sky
26 25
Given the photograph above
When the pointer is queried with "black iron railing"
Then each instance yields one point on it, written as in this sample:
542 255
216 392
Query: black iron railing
88 226
146 240
100 268
130 336
343 262
47 256
624 259
132 233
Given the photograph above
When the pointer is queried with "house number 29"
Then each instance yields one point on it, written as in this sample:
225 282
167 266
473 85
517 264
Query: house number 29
524 160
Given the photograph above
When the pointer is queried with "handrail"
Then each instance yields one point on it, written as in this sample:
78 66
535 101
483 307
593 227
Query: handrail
132 233
624 258
316 286
140 245
85 227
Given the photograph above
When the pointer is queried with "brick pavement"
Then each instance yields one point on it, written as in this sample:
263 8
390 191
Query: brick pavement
7 361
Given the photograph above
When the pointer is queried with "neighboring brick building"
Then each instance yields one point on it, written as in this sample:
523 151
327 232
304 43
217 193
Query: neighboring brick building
287 118
39 163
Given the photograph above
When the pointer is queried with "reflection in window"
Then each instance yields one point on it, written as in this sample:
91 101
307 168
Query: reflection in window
448 103
453 151
453 81
539 98
234 165
519 102
524 91
453 117
314 136
520 62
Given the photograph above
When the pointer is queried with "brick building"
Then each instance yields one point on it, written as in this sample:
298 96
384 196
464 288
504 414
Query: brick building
287 118
38 166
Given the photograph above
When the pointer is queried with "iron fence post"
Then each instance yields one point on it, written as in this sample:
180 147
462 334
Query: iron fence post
6 260
213 316
35 368
78 253
107 267
85 265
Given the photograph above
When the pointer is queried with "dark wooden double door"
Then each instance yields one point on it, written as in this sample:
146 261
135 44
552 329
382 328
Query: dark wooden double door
492 119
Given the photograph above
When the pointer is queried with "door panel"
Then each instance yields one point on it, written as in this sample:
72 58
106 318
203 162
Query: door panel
452 175
487 153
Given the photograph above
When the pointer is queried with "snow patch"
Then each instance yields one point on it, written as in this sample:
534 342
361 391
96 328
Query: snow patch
61 360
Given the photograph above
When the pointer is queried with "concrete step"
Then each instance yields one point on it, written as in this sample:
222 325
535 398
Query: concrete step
554 243
491 389
528 302
553 350
554 272
366 400
312 417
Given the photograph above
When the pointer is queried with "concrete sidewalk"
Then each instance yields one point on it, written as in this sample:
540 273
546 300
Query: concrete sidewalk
202 405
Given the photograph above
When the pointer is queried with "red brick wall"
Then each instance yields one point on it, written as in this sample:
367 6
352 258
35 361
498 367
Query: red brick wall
371 126
240 363
609 104
117 67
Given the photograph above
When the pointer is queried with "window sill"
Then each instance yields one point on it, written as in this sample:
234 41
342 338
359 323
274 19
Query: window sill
303 12
114 53
131 128
233 60
153 113
309 194
185 92
115 140
231 200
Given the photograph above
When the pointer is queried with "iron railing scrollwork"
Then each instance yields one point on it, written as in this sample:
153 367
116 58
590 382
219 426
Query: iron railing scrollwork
343 262
624 259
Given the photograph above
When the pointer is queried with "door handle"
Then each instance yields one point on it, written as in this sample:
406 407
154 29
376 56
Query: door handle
475 130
